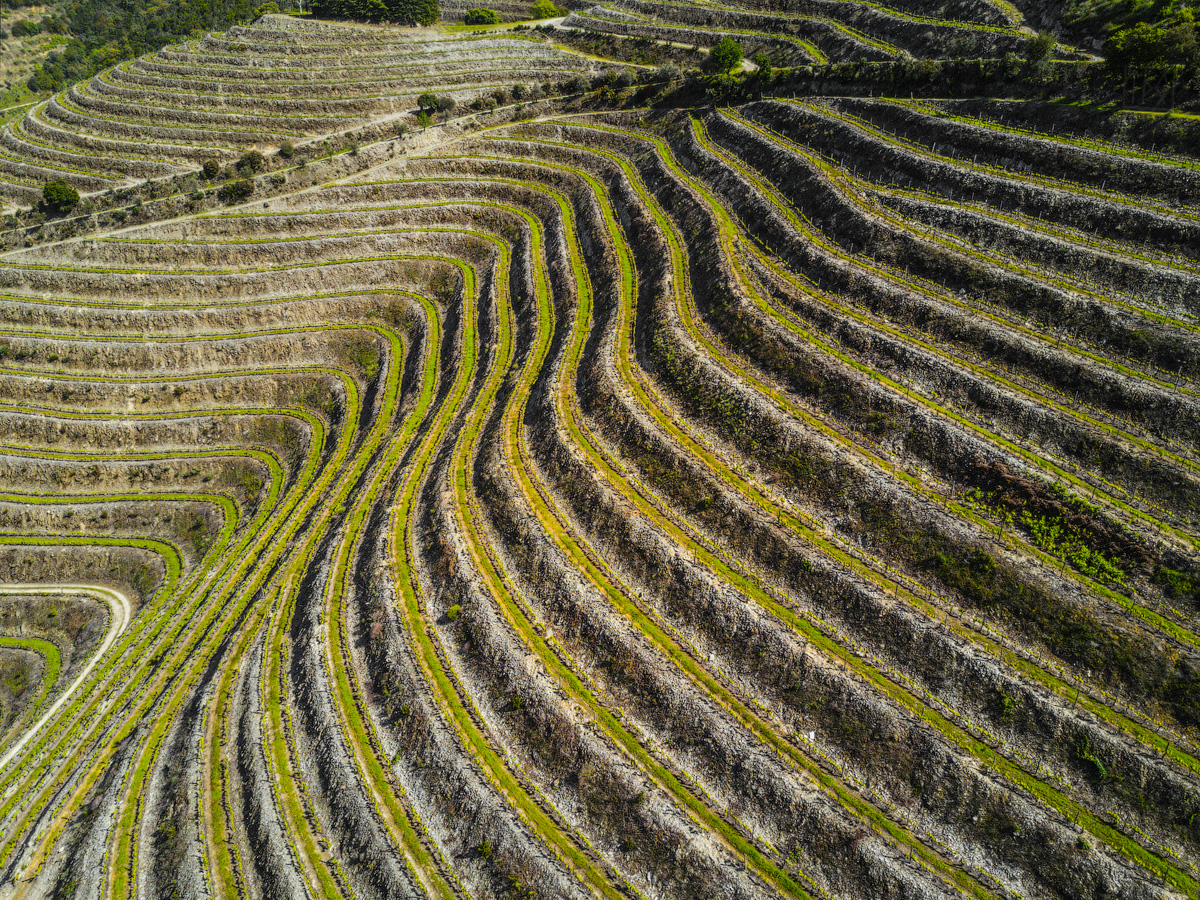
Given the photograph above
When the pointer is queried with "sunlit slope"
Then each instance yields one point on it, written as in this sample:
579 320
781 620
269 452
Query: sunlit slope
281 80
796 499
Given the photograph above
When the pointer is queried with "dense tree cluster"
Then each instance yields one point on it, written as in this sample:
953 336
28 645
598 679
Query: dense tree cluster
1150 46
404 12
48 24
109 31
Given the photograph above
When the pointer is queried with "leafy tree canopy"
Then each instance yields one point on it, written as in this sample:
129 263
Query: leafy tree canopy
481 17
1082 21
404 12
725 56
59 196
545 9
109 31
1040 47
1149 46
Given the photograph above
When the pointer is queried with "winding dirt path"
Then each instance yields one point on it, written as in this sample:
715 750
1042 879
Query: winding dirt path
122 612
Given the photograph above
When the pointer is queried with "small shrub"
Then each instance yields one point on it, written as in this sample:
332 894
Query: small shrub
446 104
454 612
250 163
485 849
236 191
765 70
1006 705
1039 48
211 169
1177 585
579 84
424 119
59 196
481 17
668 72
400 129
519 91
287 150
1100 772
278 179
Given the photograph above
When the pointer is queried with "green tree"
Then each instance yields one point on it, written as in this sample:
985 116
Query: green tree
1039 48
725 56
428 101
236 191
545 9
1147 46
405 12
251 162
211 168
446 104
59 196
481 17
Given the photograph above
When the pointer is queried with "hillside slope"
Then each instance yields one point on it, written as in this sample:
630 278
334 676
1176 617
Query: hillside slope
582 493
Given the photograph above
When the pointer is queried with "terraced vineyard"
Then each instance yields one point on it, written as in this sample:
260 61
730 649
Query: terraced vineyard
575 498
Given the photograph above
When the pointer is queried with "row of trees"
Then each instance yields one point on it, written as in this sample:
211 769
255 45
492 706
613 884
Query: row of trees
109 31
403 12
1146 46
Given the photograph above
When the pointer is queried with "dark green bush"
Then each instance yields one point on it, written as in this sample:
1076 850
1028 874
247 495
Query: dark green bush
236 191
59 196
481 17
725 56
1040 47
250 163
406 12
287 150
211 168
545 9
